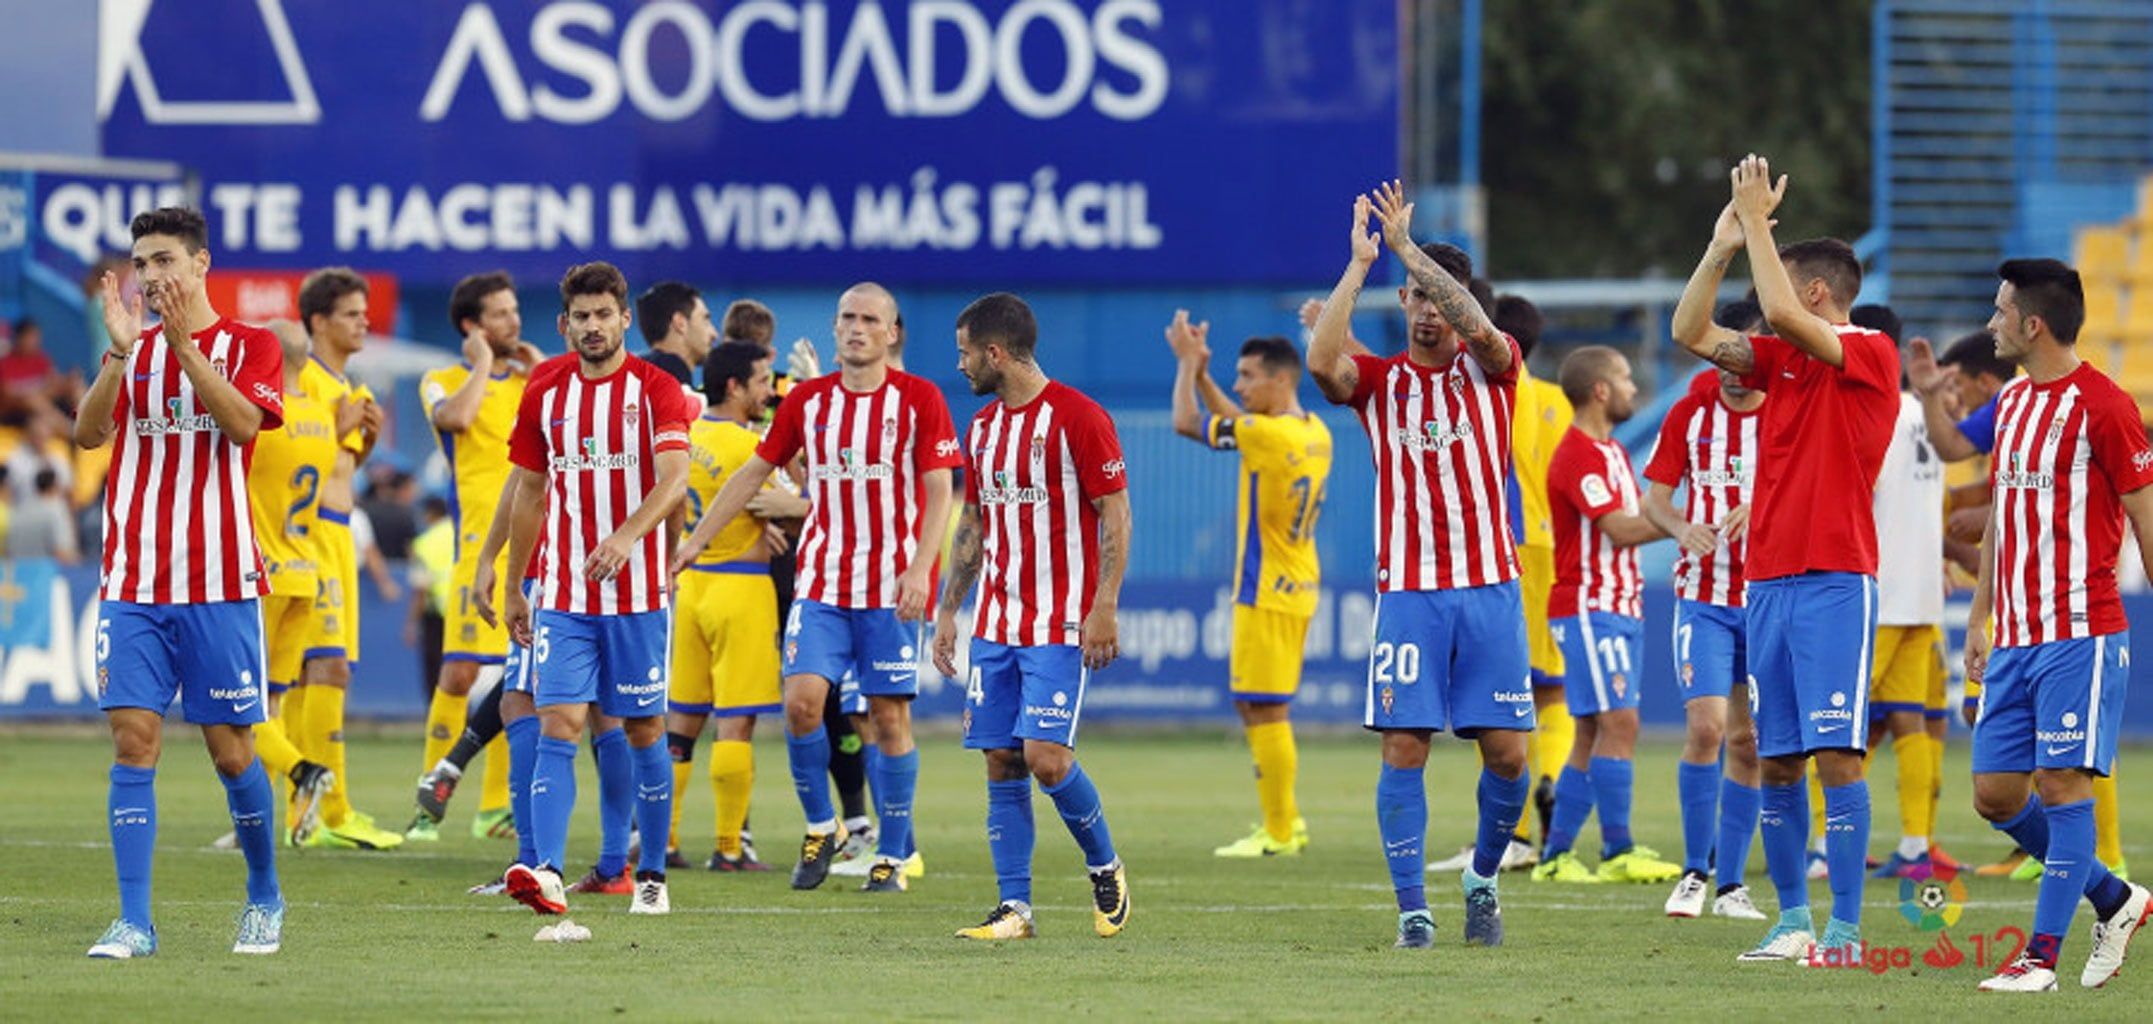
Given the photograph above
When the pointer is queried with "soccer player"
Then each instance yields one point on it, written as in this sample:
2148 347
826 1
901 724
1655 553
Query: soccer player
180 612
1708 445
2072 465
725 628
1045 532
1832 396
879 449
1450 647
472 407
676 322
332 306
1285 467
601 444
1907 677
1596 610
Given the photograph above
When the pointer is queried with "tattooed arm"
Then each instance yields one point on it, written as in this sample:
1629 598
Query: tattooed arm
966 552
1458 306
1692 324
1101 635
1330 348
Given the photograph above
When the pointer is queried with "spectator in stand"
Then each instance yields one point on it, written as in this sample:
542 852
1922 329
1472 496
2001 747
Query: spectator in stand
433 563
44 527
391 505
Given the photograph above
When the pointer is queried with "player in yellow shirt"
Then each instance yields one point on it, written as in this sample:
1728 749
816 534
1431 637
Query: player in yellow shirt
332 305
472 407
1285 465
1538 424
725 623
283 493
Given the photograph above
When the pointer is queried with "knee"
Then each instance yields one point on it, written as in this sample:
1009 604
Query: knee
2065 786
1506 761
1742 746
136 748
1998 804
456 678
1780 771
1049 766
1705 738
803 713
1006 766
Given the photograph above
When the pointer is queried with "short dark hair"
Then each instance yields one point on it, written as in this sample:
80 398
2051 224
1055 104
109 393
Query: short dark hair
26 323
594 278
2048 289
1516 316
1001 319
1740 315
468 300
1454 261
748 320
1976 354
728 362
323 289
1877 317
1273 353
1584 367
1483 293
654 309
1827 258
435 506
182 222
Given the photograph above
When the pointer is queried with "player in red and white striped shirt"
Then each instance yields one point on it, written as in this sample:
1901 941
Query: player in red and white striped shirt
1708 447
2071 463
879 452
1046 516
182 579
1596 611
1450 648
601 446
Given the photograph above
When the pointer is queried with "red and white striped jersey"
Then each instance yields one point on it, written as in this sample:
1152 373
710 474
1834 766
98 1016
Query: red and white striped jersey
1441 444
868 455
2066 452
1712 450
1033 471
1589 479
178 529
597 442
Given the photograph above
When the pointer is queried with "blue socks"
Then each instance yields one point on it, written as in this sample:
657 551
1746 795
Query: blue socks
1737 826
1402 819
1846 846
2069 862
616 801
522 759
1010 836
1501 801
1078 801
809 757
895 779
132 803
653 802
254 814
1613 779
1784 826
553 799
1573 804
1698 787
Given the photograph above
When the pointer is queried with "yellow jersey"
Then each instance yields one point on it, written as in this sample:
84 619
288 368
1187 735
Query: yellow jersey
717 448
284 485
1285 467
332 387
1542 417
478 454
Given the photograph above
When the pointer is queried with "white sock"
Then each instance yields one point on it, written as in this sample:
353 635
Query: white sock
1913 847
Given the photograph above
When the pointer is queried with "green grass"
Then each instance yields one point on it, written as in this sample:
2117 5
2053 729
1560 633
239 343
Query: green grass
374 936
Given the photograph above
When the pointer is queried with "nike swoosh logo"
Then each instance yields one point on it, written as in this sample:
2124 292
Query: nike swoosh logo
654 790
902 677
1831 728
644 702
2053 751
237 708
1520 712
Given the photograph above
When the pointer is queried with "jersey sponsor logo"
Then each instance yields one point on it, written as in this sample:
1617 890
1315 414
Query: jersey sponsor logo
593 460
268 394
243 692
2018 478
1006 492
1114 469
1739 472
2142 461
176 421
850 466
946 448
1433 435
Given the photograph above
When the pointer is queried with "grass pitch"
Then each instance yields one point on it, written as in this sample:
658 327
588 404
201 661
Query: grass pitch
392 935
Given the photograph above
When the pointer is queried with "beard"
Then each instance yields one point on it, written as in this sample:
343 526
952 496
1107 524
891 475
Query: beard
598 357
985 382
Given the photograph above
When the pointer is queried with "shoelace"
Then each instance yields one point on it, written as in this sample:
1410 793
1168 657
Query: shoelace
812 850
1104 893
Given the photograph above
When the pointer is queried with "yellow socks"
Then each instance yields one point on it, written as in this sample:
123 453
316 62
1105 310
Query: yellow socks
493 794
1916 783
325 743
276 749
680 788
2107 822
444 722
292 712
1278 762
1552 736
1816 806
1936 780
732 777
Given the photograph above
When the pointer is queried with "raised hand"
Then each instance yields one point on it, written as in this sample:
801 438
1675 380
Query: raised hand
1187 339
1921 369
1727 230
123 318
477 351
529 355
1313 308
1365 247
1755 194
1395 214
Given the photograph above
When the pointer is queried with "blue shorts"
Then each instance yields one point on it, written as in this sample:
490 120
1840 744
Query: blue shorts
1811 640
881 653
1013 694
1601 655
617 661
850 701
517 675
2053 705
1450 659
1711 649
210 656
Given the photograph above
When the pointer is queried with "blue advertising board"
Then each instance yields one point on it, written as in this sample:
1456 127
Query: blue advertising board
921 141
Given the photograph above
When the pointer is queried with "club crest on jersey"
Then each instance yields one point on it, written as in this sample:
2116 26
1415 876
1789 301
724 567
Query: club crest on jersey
889 428
219 366
1389 697
630 414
